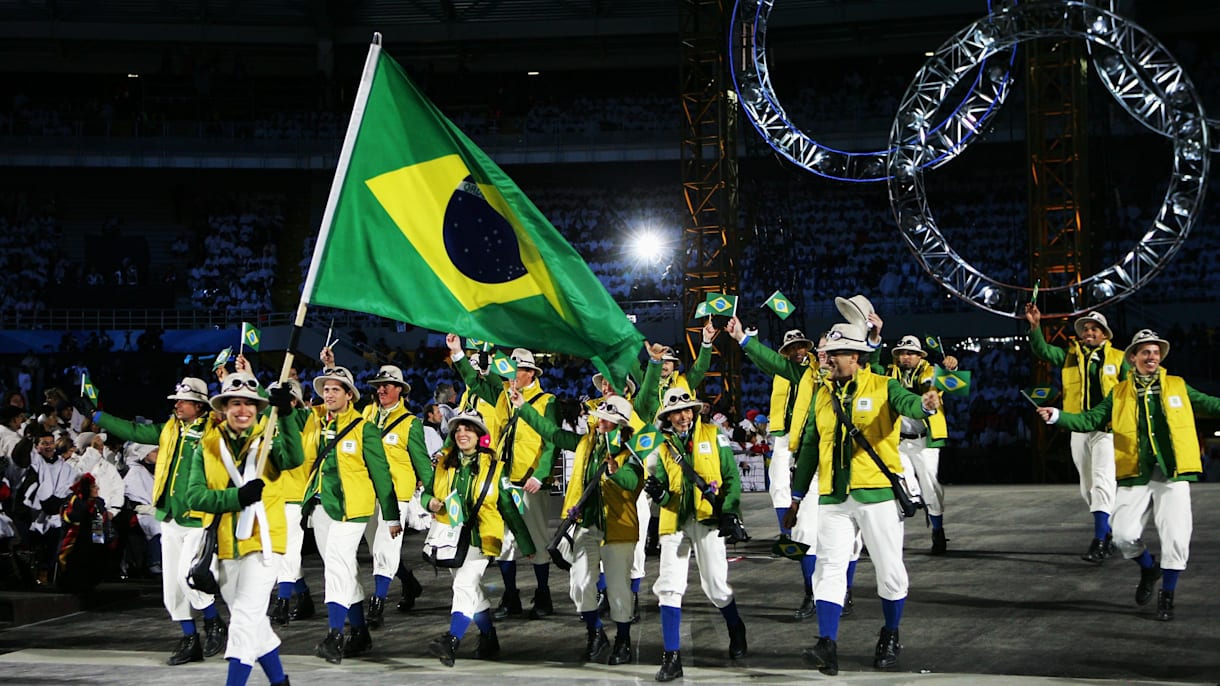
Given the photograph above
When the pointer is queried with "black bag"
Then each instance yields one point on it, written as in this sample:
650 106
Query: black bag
446 545
200 577
906 503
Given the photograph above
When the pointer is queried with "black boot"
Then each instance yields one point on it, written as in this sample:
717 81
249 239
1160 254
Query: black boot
331 647
374 613
635 608
596 644
304 608
888 649
445 647
849 605
824 655
358 642
488 647
279 612
510 605
283 683
737 641
215 635
939 542
671 665
189 650
411 589
542 603
1164 606
807 609
1097 552
621 654
1148 578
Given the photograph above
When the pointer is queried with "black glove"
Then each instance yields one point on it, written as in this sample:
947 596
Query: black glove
731 528
654 488
84 406
251 493
281 399
52 505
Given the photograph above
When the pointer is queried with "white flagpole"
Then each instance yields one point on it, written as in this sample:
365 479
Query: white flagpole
345 157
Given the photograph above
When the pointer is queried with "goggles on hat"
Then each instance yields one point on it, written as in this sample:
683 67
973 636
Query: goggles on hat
236 383
839 335
184 388
383 374
674 400
611 409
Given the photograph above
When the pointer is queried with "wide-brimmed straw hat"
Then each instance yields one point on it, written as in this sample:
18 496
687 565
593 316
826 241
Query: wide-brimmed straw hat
390 374
851 337
524 359
910 344
794 337
855 309
615 409
471 417
1095 317
677 399
239 385
598 378
340 374
190 388
1147 336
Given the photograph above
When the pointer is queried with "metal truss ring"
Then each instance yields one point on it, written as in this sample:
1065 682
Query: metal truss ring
1171 104
752 81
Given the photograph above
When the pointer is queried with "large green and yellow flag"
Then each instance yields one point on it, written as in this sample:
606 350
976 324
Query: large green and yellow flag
425 228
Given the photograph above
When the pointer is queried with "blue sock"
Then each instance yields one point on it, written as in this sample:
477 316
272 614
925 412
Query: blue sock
624 630
851 572
239 673
601 582
828 619
273 667
285 590
780 513
483 621
381 586
671 625
592 621
635 584
355 614
1101 524
336 615
892 609
1169 579
458 624
543 574
1145 560
300 586
508 570
808 564
188 627
938 521
210 612
729 612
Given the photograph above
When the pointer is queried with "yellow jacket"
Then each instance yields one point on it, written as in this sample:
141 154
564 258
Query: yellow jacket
494 513
867 405
404 449
924 377
1075 370
706 459
1179 415
354 476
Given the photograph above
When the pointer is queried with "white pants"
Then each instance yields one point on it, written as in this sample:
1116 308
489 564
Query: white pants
245 584
1093 453
468 596
386 551
925 463
537 520
337 543
675 563
643 508
290 561
588 555
780 473
881 527
178 545
1169 504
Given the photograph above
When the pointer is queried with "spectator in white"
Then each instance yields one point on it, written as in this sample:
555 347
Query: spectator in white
138 488
434 438
46 497
87 459
445 396
11 419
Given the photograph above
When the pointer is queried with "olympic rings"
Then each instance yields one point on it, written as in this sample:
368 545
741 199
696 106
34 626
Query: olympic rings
1169 103
762 107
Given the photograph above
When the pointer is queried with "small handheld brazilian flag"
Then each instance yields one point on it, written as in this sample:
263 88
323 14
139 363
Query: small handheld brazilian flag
644 442
932 344
515 492
222 357
1040 395
250 336
476 344
454 508
503 365
956 383
701 310
719 303
87 389
780 305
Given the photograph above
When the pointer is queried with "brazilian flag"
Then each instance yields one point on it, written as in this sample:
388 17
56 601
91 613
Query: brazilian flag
250 336
955 383
455 509
644 442
719 303
780 305
423 227
1040 395
503 365
87 389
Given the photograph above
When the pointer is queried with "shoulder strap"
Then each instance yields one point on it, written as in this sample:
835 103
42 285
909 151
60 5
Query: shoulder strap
317 463
858 436
689 470
491 475
509 437
386 431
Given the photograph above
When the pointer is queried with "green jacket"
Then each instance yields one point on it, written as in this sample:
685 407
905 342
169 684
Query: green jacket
177 442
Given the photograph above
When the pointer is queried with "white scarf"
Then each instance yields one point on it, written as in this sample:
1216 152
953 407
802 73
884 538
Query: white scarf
256 511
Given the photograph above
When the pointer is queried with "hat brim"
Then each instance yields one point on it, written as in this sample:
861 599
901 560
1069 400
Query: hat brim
618 419
631 387
460 419
406 387
197 397
796 341
900 349
218 402
1078 327
1160 343
696 405
852 312
320 381
848 347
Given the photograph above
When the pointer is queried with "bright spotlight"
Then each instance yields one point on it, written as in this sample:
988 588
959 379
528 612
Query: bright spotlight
648 245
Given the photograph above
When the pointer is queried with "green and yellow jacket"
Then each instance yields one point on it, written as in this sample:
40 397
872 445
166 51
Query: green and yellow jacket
405 451
708 451
1087 379
353 476
176 441
497 510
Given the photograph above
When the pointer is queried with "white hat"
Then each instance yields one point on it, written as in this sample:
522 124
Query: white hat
340 374
631 387
136 452
1097 318
855 309
677 399
390 374
83 440
910 344
524 359
239 385
294 387
671 356
471 417
794 337
851 337
190 388
615 409
1147 336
